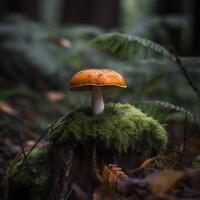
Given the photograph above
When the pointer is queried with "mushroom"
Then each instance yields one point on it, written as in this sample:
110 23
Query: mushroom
95 80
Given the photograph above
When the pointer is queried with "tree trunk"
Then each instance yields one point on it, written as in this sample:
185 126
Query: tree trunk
61 167
164 7
104 13
196 41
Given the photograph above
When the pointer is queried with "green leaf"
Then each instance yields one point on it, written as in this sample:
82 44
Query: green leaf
127 45
166 112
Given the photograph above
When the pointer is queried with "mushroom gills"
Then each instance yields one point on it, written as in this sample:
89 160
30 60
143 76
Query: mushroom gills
97 100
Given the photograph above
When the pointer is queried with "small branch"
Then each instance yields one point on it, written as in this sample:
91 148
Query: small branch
185 73
180 156
24 155
68 194
33 147
184 138
23 151
39 139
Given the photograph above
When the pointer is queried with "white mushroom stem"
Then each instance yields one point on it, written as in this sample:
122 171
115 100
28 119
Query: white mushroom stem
97 103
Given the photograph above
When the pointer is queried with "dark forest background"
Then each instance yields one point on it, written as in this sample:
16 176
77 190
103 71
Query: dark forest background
108 13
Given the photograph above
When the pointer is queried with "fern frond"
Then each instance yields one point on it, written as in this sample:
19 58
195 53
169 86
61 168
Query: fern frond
127 45
166 112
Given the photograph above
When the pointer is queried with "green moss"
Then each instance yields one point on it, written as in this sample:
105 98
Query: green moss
29 181
120 127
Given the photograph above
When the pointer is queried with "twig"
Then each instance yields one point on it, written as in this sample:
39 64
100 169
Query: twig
180 156
184 137
23 150
185 73
68 194
39 139
32 148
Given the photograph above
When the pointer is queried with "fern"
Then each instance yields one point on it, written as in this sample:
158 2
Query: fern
165 112
127 46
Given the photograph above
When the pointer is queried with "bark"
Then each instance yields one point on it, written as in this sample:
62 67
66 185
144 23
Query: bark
60 175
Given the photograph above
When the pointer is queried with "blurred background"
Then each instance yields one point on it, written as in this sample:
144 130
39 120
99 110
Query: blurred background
43 42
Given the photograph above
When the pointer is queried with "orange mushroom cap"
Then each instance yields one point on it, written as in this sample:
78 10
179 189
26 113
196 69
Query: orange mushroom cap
83 80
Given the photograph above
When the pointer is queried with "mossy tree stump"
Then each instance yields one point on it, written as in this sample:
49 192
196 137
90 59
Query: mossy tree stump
121 134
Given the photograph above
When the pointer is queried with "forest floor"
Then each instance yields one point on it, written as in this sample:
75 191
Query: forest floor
170 176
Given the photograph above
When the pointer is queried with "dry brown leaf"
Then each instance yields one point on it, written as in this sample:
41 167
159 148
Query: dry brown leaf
80 195
105 193
112 173
29 143
147 163
54 96
192 149
162 182
64 42
7 108
29 115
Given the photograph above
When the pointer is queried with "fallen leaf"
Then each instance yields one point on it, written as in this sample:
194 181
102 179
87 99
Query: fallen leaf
151 163
54 96
80 195
7 108
29 143
112 173
29 115
192 149
162 182
64 42
105 193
